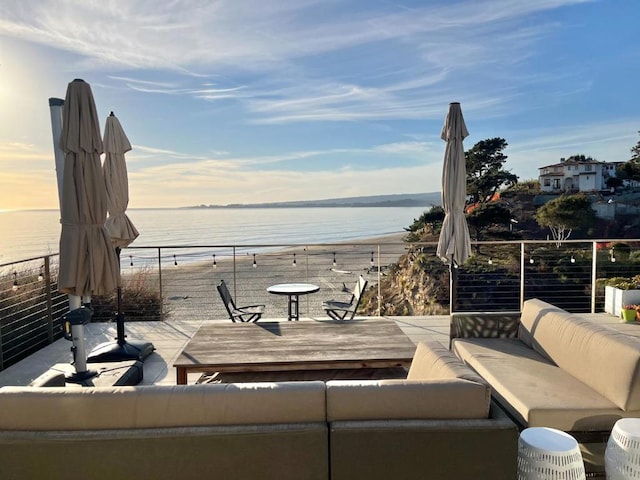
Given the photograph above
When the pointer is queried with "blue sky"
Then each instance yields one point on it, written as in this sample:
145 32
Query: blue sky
243 101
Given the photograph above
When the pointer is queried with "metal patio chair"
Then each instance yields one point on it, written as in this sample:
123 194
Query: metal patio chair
339 310
248 313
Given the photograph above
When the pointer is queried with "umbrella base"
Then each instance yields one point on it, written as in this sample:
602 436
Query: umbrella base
108 374
81 377
119 352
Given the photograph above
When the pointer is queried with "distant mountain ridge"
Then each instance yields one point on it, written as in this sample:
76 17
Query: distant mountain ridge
397 200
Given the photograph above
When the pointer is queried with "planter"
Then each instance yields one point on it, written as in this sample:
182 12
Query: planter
629 315
614 299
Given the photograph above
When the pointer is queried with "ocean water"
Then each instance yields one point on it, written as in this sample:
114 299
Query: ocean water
31 233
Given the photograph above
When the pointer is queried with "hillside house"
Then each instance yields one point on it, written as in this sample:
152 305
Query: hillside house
576 176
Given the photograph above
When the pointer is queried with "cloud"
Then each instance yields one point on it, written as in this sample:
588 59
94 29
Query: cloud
282 40
283 73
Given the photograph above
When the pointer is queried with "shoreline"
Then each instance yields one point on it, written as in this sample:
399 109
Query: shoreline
37 233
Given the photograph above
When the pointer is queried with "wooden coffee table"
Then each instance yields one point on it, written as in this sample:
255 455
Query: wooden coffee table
305 345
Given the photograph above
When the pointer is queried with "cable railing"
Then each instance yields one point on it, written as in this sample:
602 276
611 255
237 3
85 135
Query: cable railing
175 281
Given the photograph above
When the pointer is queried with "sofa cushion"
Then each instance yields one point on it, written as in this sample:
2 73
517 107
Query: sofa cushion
532 311
433 361
407 399
606 360
534 390
53 408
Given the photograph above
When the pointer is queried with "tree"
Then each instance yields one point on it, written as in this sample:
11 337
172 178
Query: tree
432 219
486 216
578 158
527 187
565 214
614 182
485 170
635 153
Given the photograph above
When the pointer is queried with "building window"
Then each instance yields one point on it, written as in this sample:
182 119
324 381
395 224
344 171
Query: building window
547 182
588 168
556 183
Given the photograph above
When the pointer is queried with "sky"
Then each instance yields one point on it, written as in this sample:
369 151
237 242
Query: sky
249 101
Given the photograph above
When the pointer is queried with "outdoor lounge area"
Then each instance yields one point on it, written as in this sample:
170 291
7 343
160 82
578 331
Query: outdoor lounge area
430 421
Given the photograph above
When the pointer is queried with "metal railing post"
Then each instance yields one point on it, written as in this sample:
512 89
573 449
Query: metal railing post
522 274
379 282
235 276
594 275
47 293
160 283
306 257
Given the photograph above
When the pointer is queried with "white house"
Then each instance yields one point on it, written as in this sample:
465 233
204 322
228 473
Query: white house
576 176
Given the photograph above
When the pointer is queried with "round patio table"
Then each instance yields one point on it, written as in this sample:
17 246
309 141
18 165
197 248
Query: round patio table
293 291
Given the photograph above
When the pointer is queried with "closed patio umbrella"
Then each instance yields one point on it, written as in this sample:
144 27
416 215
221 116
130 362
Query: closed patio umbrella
122 233
88 263
116 144
454 244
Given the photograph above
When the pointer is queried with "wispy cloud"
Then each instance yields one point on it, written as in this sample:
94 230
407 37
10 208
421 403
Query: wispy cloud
278 100
440 39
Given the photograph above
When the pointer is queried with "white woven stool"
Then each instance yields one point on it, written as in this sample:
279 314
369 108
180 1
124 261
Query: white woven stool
622 457
548 454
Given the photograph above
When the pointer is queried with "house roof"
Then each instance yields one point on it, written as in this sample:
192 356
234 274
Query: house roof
594 162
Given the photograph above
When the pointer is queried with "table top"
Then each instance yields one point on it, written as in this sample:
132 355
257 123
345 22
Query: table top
306 345
293 288
629 427
548 439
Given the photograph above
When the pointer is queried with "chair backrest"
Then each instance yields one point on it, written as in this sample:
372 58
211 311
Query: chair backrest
358 291
227 299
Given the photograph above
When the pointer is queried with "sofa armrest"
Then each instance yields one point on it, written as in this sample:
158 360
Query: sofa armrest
484 325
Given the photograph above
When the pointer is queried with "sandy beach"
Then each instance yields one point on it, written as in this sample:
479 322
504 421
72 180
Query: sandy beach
190 289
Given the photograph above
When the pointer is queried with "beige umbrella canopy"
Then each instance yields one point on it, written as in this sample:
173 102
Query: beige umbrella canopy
454 244
116 144
122 232
88 262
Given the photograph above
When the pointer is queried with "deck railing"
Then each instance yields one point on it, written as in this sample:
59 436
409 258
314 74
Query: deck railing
500 276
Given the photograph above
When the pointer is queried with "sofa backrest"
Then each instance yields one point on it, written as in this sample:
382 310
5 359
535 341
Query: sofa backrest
54 408
406 399
532 312
438 386
433 361
606 360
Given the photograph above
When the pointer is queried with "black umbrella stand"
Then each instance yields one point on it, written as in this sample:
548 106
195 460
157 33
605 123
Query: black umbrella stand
120 350
453 286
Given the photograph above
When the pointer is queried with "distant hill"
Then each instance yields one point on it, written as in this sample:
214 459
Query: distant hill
398 200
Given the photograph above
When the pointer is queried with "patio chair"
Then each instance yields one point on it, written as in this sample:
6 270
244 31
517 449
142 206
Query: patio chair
339 310
249 313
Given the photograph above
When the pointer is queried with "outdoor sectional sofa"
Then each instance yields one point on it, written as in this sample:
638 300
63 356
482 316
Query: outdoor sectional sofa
436 423
547 367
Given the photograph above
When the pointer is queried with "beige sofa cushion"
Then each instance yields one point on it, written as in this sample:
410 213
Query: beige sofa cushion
606 360
406 399
52 408
537 392
433 361
532 311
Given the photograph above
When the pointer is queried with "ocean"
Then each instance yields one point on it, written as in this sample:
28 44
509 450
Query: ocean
31 233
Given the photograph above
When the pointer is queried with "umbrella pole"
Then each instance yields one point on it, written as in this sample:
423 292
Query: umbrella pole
120 314
120 350
79 315
120 320
453 297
